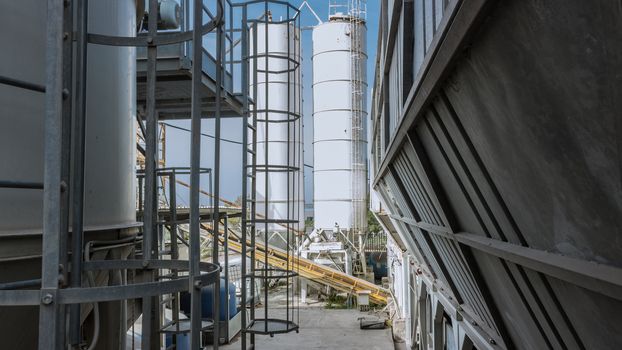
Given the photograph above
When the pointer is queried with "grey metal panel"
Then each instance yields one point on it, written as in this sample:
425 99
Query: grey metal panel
592 315
424 243
419 190
508 298
419 44
110 145
428 22
459 202
438 12
489 222
524 138
559 143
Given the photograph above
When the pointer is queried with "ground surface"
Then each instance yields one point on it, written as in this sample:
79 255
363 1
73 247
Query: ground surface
325 329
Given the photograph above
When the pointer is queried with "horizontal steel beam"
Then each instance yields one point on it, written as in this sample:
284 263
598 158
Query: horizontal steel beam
21 184
600 278
21 84
122 292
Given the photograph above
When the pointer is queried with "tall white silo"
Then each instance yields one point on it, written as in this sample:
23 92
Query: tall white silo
339 119
110 179
278 93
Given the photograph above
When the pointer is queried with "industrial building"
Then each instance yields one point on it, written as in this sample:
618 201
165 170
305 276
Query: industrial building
463 188
496 160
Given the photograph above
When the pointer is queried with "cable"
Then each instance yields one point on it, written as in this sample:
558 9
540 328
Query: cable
202 134
91 281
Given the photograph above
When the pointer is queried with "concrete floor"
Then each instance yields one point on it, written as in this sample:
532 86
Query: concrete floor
322 328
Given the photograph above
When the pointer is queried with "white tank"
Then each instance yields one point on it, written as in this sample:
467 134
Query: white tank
284 139
339 124
110 192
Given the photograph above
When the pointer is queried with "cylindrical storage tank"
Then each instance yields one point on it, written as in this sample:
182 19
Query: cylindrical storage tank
278 100
110 143
110 128
339 124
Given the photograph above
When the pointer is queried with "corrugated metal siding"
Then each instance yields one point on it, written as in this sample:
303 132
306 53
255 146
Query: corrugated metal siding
428 15
395 84
418 195
419 39
524 149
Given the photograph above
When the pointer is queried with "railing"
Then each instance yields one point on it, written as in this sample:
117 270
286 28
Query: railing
230 64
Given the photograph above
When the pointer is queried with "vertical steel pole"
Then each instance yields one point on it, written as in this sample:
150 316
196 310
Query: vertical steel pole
266 164
253 211
172 193
245 112
195 164
150 325
219 82
49 325
231 42
290 171
79 131
66 152
226 256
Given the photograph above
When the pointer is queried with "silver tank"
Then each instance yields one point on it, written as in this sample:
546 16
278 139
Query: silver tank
339 124
110 136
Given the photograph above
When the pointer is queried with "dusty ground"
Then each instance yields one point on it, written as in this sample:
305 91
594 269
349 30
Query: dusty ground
325 329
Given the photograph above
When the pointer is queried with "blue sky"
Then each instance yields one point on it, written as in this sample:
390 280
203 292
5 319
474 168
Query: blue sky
178 142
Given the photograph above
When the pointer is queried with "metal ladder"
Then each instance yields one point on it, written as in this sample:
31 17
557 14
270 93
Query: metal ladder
356 10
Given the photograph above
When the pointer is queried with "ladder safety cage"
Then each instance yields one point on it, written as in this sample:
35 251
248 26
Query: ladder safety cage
261 69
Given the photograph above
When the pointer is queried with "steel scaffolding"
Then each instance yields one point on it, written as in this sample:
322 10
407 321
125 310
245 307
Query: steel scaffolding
63 263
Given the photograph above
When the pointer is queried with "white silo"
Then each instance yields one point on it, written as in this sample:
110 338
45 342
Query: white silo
339 119
110 179
278 100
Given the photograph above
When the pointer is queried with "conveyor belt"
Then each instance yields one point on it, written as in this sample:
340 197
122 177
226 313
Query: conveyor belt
308 269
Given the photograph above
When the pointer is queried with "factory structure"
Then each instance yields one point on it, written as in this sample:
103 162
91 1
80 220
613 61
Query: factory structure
473 203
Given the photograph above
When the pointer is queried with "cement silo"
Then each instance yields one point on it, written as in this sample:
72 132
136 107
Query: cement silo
339 119
110 191
278 99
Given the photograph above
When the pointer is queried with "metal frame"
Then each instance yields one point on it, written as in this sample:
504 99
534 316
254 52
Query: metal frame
251 219
64 146
529 269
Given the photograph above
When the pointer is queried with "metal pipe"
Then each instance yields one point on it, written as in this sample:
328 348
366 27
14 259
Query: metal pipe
20 284
21 84
21 184
91 281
